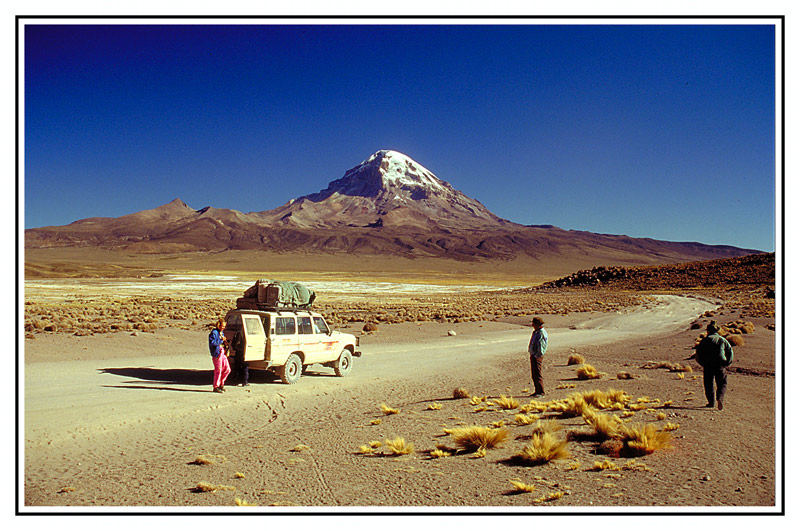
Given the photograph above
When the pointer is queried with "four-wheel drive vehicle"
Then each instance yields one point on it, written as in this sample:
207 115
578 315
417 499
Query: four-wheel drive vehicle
286 341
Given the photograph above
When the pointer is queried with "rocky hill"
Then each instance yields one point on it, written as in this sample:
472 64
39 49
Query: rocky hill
755 270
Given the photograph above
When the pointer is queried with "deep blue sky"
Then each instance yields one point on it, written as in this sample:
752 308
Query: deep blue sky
654 131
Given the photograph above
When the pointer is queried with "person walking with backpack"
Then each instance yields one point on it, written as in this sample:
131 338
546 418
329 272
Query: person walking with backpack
536 349
714 354
216 345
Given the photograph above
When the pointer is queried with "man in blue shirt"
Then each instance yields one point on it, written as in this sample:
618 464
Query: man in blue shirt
536 348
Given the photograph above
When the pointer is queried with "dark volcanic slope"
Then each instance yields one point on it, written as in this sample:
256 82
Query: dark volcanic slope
387 205
757 270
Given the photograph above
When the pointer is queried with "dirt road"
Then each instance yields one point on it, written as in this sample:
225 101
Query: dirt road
119 428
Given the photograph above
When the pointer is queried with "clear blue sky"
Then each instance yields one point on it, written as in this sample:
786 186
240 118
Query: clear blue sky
651 131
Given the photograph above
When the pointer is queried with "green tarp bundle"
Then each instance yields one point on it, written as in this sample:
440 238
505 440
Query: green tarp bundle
292 293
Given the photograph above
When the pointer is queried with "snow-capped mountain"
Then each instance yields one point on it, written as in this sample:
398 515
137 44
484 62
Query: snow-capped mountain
387 205
387 189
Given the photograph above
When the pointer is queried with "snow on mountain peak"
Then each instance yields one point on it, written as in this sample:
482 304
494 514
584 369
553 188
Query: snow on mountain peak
398 169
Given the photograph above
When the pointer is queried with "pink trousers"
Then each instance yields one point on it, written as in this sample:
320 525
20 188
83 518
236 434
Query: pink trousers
221 370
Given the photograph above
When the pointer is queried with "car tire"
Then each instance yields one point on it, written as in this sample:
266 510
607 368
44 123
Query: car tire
344 364
292 370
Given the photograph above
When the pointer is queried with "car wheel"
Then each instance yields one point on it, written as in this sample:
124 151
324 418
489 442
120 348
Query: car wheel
292 370
344 363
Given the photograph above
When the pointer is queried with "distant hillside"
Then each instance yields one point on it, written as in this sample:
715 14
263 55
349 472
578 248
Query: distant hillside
389 205
754 270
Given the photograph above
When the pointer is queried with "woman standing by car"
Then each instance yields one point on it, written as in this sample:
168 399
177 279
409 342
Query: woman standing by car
216 345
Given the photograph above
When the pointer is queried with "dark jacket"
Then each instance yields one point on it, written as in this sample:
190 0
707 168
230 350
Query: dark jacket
714 351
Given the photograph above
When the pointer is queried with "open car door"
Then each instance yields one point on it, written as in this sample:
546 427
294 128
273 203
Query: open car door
255 342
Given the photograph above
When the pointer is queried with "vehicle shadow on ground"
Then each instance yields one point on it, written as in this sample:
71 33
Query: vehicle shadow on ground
197 377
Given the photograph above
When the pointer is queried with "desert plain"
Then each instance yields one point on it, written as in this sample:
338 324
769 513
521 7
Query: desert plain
117 409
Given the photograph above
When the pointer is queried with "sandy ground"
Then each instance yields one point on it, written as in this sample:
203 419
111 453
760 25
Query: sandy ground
117 420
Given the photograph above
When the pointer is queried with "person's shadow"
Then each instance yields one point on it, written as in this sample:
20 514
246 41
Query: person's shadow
190 377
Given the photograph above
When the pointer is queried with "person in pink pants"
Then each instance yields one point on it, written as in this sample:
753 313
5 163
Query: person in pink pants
216 345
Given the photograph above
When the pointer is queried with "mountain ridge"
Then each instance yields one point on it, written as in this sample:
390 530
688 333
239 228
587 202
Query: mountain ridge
388 204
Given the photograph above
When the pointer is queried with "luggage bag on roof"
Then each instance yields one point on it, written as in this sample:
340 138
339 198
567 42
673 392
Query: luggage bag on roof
276 294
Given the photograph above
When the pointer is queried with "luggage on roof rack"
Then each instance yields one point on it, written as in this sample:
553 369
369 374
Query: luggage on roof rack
276 295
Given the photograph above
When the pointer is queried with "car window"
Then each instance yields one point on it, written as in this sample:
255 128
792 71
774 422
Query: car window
284 325
320 326
253 325
305 325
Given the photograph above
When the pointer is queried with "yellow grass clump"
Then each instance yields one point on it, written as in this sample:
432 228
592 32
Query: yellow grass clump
572 406
576 359
605 426
661 415
242 503
460 392
587 372
606 399
204 486
550 496
375 422
624 375
506 402
669 426
439 453
472 438
366 449
476 400
736 340
534 405
238 475
522 487
300 448
644 439
542 449
375 444
208 460
523 420
604 465
389 410
547 426
399 446
498 424
434 406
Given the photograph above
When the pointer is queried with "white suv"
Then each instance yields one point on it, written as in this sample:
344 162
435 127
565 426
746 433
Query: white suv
287 341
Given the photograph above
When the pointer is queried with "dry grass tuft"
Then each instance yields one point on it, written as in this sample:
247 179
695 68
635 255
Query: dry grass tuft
375 422
661 416
300 448
476 400
523 420
587 372
644 439
605 426
366 449
506 402
242 503
375 444
572 406
238 475
612 398
547 426
460 392
604 465
550 496
498 424
204 486
389 410
542 449
472 438
669 426
522 487
736 340
439 453
576 359
434 406
399 446
208 460
624 376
